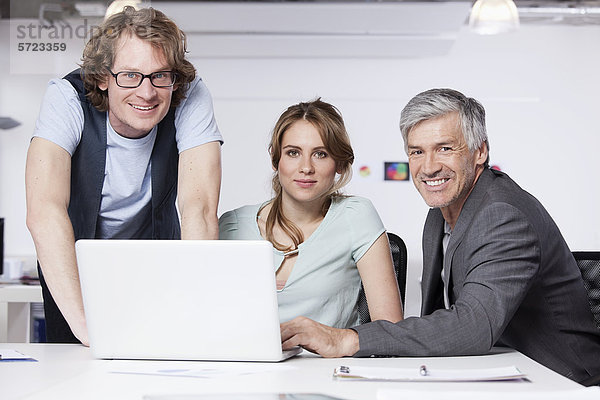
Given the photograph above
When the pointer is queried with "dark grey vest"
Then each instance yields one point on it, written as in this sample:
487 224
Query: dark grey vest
88 166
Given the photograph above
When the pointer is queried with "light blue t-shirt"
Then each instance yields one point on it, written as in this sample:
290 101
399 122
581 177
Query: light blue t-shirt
324 282
127 190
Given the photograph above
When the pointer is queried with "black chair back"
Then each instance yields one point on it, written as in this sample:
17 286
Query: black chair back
400 258
589 265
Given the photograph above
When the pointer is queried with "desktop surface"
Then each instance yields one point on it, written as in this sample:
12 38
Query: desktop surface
70 372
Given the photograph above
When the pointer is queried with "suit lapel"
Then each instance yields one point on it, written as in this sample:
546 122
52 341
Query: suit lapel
467 213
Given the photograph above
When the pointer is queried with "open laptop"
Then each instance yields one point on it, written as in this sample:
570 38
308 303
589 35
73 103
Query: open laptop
180 299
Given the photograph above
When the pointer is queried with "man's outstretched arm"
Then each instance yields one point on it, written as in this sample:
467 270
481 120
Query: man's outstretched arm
48 185
198 191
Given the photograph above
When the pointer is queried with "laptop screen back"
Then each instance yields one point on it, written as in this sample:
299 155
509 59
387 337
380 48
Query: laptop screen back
176 299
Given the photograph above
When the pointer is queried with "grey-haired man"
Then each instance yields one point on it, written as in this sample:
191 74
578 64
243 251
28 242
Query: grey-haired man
496 269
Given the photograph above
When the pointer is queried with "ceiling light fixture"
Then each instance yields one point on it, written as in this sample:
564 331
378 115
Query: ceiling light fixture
489 17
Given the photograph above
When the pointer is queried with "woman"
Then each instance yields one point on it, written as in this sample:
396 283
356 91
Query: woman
324 243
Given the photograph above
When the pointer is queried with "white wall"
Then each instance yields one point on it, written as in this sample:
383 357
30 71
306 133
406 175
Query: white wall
539 85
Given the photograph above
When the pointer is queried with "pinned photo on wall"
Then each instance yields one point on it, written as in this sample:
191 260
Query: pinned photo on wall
396 171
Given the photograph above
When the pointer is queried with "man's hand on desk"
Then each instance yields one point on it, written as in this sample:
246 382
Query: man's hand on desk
318 338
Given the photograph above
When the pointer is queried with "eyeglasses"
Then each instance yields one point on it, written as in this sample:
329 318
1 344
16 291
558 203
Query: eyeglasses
131 80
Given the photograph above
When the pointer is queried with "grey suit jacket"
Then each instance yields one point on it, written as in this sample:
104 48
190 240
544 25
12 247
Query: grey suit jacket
513 282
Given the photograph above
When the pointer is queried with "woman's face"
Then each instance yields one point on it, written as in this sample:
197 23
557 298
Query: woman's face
306 169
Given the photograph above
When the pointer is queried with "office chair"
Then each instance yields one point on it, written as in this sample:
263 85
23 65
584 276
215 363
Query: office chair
589 265
399 256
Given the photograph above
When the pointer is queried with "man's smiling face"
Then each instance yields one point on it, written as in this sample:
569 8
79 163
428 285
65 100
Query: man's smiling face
443 168
134 112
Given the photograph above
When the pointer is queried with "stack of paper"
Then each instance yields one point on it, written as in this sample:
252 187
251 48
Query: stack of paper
427 374
589 393
13 355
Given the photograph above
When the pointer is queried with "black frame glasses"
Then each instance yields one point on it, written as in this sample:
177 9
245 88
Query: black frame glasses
141 76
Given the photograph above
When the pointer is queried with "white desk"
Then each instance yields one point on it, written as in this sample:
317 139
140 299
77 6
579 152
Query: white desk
15 316
69 372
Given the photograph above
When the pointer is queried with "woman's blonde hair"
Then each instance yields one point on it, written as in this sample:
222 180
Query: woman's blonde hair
147 24
329 123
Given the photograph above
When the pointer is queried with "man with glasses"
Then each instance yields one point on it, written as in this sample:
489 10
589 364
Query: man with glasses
115 144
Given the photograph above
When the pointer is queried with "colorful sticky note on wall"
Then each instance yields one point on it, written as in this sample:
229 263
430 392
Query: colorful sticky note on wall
364 171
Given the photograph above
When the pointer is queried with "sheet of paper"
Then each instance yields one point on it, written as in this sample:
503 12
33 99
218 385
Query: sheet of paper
207 371
13 355
590 393
432 374
244 396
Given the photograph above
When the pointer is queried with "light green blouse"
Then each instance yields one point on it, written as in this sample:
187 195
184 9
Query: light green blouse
324 282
